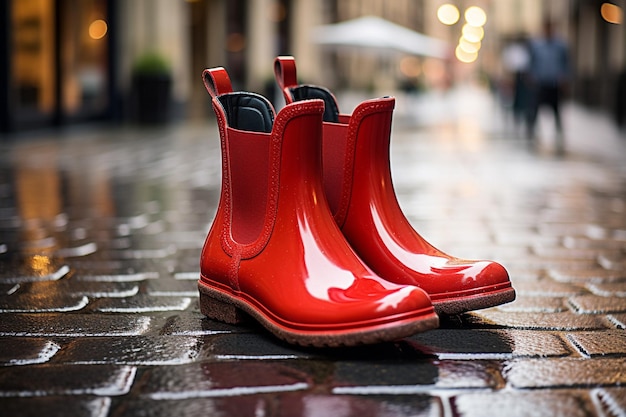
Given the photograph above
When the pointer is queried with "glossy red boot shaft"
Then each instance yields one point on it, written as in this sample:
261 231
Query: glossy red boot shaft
274 250
359 187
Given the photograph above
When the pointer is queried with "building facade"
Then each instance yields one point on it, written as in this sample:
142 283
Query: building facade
55 62
64 62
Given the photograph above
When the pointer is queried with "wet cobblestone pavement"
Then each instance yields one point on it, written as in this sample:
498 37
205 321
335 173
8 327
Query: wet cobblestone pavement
100 239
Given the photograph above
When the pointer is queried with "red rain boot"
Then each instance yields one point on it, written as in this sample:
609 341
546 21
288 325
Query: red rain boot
359 189
274 250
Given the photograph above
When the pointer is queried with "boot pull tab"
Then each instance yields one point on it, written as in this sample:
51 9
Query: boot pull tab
217 81
285 71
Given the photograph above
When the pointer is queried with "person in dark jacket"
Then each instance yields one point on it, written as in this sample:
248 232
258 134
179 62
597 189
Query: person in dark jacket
548 74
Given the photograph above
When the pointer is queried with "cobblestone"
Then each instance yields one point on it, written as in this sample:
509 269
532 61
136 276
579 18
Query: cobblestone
402 378
565 372
99 310
536 305
523 403
613 400
142 303
221 379
50 380
81 289
77 325
547 288
25 351
138 350
251 346
57 406
490 344
49 302
193 324
615 289
538 321
619 320
596 275
611 343
598 305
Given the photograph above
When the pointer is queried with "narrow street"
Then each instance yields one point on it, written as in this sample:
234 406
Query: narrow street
100 238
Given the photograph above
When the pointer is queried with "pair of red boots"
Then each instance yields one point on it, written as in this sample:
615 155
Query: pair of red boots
309 238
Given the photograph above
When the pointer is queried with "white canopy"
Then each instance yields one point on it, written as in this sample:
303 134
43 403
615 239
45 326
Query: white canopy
375 33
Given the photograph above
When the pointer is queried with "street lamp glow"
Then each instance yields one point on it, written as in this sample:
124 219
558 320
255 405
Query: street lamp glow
475 16
448 14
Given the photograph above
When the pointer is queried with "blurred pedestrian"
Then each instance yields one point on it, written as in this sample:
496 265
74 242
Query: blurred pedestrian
516 59
548 76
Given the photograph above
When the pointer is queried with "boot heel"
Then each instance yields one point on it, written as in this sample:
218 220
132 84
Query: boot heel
221 311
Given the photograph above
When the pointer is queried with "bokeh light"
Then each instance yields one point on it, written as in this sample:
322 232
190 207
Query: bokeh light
464 56
475 16
448 14
468 46
612 13
473 33
97 29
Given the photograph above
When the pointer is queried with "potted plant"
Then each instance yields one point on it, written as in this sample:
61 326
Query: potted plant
151 89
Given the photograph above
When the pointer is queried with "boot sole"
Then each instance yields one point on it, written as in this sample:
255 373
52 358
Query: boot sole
218 305
462 304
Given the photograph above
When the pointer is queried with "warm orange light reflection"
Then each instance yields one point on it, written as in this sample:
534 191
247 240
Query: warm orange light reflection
612 13
97 29
448 14
40 264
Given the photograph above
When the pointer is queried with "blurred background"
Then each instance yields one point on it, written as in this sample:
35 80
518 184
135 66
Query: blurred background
67 62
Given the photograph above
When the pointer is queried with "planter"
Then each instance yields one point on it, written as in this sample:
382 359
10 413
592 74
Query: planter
151 89
152 97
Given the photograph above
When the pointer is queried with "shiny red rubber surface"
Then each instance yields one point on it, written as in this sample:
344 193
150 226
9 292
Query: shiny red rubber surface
294 268
358 183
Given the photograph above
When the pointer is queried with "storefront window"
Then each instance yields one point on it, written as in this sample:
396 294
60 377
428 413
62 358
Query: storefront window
59 60
33 68
84 57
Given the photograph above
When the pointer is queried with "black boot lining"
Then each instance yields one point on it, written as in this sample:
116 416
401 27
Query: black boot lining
308 92
248 111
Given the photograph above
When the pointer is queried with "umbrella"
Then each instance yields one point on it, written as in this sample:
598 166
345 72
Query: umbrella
376 33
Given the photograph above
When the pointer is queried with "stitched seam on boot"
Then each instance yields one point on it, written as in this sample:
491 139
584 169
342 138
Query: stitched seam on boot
233 271
278 133
363 110
248 251
226 184
236 250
